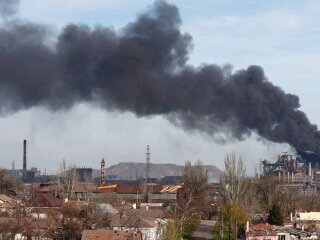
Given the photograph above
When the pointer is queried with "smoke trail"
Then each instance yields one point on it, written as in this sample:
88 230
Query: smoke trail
143 69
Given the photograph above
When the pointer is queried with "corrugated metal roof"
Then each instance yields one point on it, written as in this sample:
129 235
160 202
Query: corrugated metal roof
108 187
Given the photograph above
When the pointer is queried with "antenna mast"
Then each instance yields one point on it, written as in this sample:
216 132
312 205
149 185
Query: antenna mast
145 185
148 163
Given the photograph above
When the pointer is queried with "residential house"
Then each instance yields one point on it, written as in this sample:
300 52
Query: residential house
271 232
19 228
47 200
111 235
6 203
149 222
307 221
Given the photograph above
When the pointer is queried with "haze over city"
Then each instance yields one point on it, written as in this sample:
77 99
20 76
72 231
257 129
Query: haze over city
281 38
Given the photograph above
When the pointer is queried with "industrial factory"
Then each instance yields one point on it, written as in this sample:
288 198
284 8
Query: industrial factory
88 174
33 175
300 171
25 174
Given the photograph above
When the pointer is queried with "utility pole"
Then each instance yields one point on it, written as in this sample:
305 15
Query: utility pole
145 190
148 162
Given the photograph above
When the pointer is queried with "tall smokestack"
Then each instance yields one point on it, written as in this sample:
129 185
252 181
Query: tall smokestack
24 158
102 173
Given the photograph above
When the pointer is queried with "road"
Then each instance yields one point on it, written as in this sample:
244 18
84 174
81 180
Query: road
204 231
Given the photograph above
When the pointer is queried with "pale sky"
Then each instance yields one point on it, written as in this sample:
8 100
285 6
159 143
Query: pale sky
281 37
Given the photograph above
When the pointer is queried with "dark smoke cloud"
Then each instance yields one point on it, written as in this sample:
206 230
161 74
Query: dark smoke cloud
143 69
8 7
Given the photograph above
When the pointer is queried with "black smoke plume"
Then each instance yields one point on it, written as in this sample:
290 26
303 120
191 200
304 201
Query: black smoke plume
143 69
8 7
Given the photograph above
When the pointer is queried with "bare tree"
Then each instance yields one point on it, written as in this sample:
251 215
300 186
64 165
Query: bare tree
196 188
88 188
7 182
67 179
185 216
234 180
10 227
195 180
125 216
234 183
182 221
171 230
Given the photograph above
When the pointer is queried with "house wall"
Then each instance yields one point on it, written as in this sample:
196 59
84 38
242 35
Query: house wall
156 196
262 238
279 236
149 233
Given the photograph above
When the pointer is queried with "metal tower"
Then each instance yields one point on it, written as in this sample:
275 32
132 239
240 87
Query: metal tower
24 159
145 185
148 163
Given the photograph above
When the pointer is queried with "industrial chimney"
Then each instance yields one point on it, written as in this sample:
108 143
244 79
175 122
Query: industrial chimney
102 172
24 158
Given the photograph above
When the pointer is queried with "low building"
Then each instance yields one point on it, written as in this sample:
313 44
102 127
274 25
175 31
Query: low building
307 221
6 203
25 228
47 200
111 235
261 232
271 232
149 222
137 192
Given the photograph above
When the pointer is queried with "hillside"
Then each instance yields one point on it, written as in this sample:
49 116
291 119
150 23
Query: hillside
133 170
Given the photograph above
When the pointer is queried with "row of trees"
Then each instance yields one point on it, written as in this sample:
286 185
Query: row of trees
198 200
241 199
261 199
256 200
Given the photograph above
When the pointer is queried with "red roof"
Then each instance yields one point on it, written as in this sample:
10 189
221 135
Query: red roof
261 227
75 204
111 235
78 187
84 187
45 188
48 200
121 188
133 189
136 218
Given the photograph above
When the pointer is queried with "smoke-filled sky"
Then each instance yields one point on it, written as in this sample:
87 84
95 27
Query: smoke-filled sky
83 80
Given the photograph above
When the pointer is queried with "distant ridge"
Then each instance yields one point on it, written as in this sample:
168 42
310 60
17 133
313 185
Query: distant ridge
133 170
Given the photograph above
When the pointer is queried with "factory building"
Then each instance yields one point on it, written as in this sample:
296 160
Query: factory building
300 172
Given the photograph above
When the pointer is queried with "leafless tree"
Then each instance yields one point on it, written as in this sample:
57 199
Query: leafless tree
190 203
234 180
126 216
195 187
8 182
15 224
88 188
195 180
171 230
67 179
181 221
